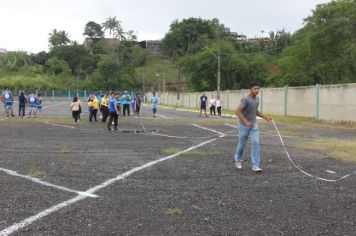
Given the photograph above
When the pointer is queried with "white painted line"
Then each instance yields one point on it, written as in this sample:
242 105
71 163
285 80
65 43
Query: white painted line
164 117
15 227
331 172
230 125
42 214
65 126
55 105
212 130
37 180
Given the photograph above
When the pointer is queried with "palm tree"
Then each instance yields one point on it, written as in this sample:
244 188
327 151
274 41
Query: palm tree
114 27
63 38
58 38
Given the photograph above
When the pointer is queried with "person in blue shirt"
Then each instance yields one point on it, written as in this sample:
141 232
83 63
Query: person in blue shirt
126 100
8 100
154 104
113 111
203 101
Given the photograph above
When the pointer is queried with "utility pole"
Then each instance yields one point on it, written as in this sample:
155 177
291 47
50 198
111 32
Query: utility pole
164 82
178 82
143 86
219 73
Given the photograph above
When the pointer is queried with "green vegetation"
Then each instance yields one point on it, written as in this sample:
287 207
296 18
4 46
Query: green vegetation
99 64
334 148
173 212
323 52
37 173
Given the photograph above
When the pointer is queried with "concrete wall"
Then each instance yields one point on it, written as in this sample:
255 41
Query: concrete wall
327 102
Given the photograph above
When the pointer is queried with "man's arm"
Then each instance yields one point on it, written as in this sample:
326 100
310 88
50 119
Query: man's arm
260 114
239 114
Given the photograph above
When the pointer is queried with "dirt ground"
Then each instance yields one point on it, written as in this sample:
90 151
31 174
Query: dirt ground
174 179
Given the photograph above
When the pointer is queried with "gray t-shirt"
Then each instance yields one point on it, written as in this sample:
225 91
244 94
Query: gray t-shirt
250 106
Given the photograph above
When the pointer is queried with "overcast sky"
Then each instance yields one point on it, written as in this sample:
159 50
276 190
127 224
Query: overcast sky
25 24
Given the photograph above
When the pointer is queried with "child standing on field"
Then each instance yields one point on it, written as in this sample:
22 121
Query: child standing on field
212 106
219 106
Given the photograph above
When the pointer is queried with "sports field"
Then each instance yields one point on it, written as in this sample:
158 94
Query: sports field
176 178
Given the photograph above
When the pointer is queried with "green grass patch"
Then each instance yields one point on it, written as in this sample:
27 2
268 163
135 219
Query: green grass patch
170 150
173 212
64 149
339 149
37 173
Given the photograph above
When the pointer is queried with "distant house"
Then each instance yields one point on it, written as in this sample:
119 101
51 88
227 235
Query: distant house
266 41
154 46
88 42
241 38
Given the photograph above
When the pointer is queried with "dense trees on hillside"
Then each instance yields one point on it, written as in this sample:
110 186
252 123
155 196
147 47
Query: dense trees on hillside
323 51
68 64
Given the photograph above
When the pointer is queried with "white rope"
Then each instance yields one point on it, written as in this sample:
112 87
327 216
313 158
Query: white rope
299 169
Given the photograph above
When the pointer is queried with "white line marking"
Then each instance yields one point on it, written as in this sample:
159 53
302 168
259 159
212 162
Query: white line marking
164 117
59 104
65 126
331 172
36 180
15 227
230 125
212 130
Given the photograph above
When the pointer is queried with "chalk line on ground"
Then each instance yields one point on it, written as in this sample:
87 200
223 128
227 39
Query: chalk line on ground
38 181
15 227
212 130
59 125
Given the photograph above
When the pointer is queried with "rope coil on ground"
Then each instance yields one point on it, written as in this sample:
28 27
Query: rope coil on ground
299 169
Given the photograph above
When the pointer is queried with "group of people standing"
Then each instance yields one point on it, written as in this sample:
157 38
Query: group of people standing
111 106
33 101
214 105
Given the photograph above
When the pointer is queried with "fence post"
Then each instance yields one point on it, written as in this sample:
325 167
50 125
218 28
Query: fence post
317 91
227 100
69 95
261 100
85 94
53 96
285 100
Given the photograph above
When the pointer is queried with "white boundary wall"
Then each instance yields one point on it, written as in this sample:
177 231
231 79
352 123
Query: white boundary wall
326 102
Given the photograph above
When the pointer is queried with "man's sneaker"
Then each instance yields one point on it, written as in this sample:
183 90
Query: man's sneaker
257 169
238 165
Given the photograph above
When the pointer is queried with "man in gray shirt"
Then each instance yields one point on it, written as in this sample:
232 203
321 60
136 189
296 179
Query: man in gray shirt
247 112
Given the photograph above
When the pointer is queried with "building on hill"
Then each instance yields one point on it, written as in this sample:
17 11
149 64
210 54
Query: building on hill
154 46
266 41
112 42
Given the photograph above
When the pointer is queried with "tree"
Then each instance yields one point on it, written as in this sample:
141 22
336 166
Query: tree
323 51
114 27
183 35
58 66
93 30
58 38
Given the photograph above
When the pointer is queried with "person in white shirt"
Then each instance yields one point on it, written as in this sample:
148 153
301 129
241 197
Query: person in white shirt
212 106
219 105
